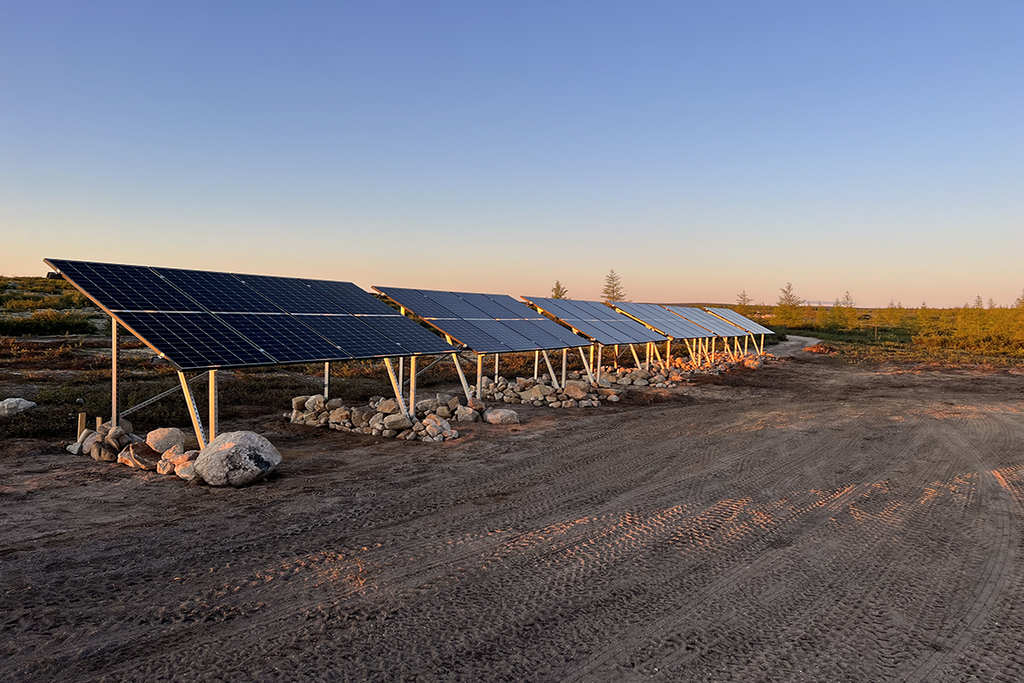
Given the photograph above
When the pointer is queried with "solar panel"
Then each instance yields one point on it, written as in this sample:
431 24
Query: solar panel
284 338
193 341
407 333
489 306
290 294
124 288
457 306
359 339
664 321
597 321
740 320
415 301
567 338
465 332
352 298
709 322
217 292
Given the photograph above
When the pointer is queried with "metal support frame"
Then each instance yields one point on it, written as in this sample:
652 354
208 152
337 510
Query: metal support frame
113 373
762 345
588 366
479 375
327 379
565 354
462 375
551 370
600 350
412 385
193 410
401 379
536 363
636 357
215 406
668 353
164 394
396 385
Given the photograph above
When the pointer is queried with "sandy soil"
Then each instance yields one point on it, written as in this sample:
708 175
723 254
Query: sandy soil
809 521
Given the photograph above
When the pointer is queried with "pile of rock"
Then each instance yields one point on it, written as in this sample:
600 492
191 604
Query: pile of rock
9 407
577 392
234 458
384 417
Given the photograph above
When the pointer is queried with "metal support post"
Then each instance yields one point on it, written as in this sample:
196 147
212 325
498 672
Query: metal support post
462 375
412 385
480 376
635 357
565 353
113 373
396 386
762 345
600 349
536 363
588 367
214 406
401 378
668 353
616 357
551 370
496 356
327 380
193 411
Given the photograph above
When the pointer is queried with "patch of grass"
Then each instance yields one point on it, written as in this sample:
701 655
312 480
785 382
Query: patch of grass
46 322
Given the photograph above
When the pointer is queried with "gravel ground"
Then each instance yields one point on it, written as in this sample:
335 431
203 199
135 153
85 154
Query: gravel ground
808 521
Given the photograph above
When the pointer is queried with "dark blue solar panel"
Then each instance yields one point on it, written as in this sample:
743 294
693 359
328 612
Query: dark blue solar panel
289 294
740 320
664 321
709 322
352 298
359 339
284 337
415 339
413 300
565 337
536 337
505 334
488 306
599 310
124 288
193 341
457 305
217 291
632 330
602 333
557 308
466 332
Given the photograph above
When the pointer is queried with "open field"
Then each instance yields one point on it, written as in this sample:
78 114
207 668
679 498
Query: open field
813 520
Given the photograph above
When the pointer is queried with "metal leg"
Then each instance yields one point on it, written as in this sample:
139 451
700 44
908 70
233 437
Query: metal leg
401 378
551 370
480 376
412 385
588 367
214 406
565 353
496 356
113 373
536 363
462 375
190 403
600 349
396 386
636 357
327 379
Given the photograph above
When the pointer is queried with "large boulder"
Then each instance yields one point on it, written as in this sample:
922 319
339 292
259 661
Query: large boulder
466 414
299 402
501 416
316 403
388 406
162 440
576 390
236 459
10 407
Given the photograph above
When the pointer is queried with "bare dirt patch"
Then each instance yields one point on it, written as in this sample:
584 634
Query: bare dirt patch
808 521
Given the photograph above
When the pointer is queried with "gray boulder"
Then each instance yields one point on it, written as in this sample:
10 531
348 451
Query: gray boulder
397 422
576 390
140 456
466 414
236 459
10 407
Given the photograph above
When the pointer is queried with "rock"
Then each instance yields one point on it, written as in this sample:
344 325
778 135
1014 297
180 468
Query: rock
339 415
397 422
476 404
187 471
466 414
361 416
444 412
608 392
454 404
625 381
436 425
296 417
603 382
140 456
165 467
613 398
89 440
427 405
178 455
75 448
641 382
575 389
501 416
376 421
165 439
388 406
236 459
85 434
10 407
442 399
334 404
316 403
388 433
299 402
102 452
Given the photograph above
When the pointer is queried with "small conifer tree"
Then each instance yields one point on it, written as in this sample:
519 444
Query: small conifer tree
558 291
613 290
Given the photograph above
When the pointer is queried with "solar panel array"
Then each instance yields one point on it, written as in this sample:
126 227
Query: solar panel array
663 320
593 319
485 323
740 320
721 328
201 320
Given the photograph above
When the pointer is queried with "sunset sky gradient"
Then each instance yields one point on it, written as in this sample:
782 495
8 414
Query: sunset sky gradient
699 149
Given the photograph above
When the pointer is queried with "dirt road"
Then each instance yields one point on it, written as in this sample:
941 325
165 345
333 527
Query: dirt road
809 521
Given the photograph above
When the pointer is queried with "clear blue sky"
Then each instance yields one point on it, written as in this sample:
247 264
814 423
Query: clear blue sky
699 149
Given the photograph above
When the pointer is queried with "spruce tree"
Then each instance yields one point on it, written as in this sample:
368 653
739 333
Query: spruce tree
558 291
613 288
